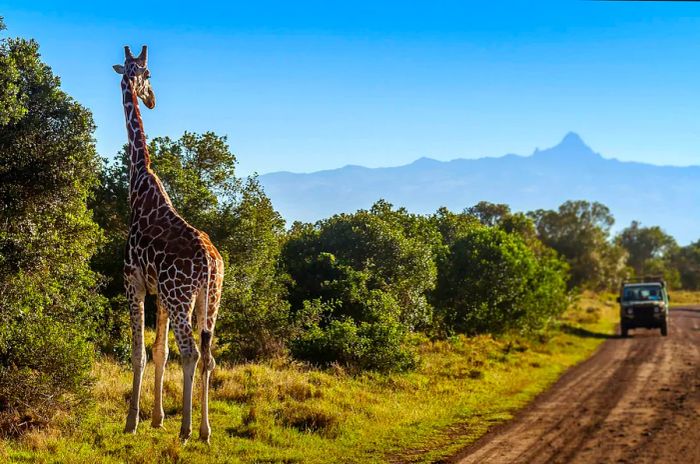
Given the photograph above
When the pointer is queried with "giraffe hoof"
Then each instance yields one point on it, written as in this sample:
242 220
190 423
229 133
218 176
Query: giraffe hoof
132 421
204 438
185 435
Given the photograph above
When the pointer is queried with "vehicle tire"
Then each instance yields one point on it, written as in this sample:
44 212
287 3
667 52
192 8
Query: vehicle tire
664 328
624 331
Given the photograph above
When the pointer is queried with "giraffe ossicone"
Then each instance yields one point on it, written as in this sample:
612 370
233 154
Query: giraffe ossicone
166 257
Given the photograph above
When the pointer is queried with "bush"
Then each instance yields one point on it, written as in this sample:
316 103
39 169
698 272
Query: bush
255 319
377 345
373 246
491 282
44 367
113 329
358 287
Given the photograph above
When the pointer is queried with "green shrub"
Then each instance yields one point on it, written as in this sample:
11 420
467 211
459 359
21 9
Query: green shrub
491 282
44 367
378 344
373 250
358 287
113 329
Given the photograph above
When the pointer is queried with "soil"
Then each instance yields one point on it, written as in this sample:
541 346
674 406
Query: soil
636 400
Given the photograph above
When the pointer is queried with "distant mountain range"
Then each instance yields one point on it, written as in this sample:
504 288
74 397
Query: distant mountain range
667 196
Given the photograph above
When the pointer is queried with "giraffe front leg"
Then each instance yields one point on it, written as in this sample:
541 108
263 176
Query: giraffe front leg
160 358
136 293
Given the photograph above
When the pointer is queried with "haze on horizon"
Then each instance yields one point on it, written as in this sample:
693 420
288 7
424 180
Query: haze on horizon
308 86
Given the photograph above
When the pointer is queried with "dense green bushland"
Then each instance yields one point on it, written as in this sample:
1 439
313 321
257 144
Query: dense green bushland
359 291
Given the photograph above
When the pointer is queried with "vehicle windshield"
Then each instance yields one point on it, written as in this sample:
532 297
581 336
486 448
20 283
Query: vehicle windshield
641 293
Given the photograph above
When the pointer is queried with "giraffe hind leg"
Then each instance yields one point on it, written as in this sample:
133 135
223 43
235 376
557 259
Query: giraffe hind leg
207 307
180 314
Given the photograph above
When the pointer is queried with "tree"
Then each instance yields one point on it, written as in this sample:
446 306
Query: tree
198 172
451 225
648 248
365 242
580 232
489 214
48 297
255 321
499 215
686 261
12 100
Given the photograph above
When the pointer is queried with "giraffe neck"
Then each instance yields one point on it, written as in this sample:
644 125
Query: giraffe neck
139 159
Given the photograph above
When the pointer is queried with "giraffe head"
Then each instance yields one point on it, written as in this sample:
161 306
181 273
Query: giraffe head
136 70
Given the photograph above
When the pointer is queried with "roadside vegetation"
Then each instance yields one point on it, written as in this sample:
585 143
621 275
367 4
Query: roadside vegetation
378 334
684 297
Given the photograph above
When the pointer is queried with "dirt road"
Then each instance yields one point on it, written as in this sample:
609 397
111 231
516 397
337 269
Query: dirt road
637 400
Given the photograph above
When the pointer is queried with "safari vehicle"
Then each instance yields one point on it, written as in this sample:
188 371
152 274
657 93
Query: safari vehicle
643 303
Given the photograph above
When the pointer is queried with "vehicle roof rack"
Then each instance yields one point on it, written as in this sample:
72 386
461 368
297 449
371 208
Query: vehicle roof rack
646 279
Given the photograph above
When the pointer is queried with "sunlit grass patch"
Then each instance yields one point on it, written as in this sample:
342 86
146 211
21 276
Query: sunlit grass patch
684 297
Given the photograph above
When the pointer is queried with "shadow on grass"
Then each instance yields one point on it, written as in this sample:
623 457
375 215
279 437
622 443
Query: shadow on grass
585 333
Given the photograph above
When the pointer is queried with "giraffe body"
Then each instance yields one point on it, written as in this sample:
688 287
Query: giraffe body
166 257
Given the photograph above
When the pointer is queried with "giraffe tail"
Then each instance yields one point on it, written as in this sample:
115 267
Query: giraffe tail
206 334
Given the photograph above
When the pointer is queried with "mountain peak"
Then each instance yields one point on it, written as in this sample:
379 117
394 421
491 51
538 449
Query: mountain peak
572 139
571 147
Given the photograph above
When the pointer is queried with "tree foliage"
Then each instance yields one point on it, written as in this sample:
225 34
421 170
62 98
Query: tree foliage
48 298
685 261
370 270
489 214
198 172
494 277
649 249
580 232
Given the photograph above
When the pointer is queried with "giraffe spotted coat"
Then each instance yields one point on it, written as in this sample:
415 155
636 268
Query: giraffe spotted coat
166 257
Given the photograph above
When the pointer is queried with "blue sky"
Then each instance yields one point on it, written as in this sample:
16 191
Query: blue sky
304 86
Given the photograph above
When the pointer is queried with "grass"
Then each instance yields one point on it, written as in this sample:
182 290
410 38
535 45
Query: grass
286 412
683 297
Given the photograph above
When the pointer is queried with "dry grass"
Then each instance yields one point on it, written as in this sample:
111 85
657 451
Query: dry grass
590 307
684 297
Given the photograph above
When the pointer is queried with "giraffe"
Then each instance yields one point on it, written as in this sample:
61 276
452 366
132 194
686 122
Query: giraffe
166 257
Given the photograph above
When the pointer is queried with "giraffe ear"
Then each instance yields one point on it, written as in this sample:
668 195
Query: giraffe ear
119 69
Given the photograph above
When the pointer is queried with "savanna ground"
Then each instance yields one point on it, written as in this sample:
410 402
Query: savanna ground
283 411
